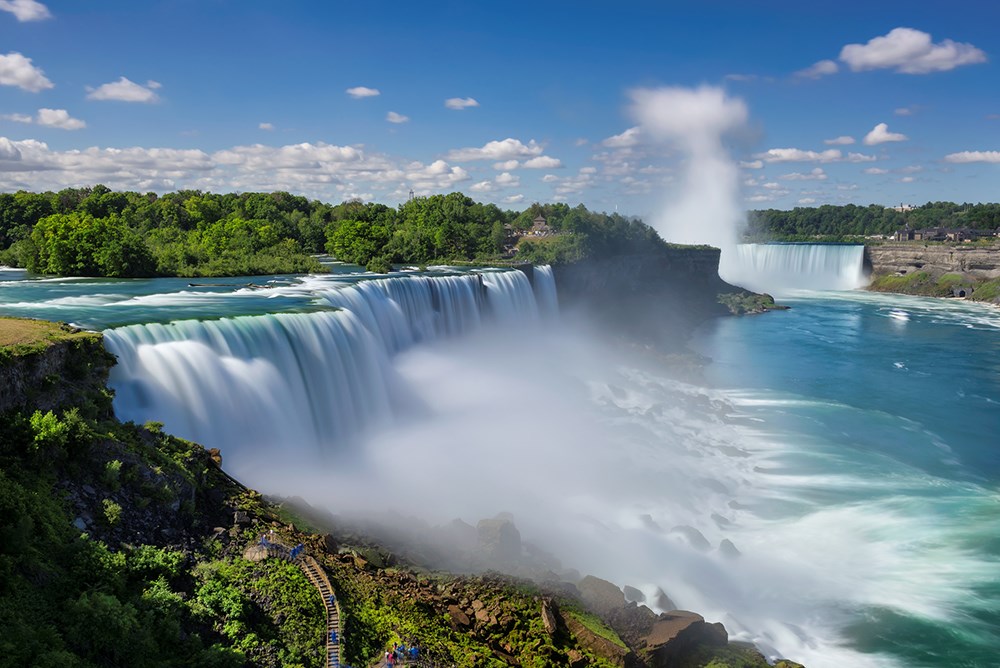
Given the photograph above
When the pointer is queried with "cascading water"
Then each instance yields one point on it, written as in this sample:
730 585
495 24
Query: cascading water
545 291
777 268
300 382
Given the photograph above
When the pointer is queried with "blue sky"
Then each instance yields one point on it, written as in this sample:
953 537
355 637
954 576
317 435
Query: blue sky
227 95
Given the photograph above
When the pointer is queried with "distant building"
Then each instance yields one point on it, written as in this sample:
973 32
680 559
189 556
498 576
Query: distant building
539 226
961 234
903 208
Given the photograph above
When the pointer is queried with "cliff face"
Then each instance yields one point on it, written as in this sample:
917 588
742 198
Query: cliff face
659 298
975 262
50 366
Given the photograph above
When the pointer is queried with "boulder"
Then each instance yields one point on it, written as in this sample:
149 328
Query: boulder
676 635
549 618
633 594
601 596
662 601
458 617
499 540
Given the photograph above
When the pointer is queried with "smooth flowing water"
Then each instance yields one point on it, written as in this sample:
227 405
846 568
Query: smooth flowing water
832 492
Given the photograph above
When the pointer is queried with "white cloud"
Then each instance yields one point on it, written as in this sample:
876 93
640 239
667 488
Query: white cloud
17 70
906 111
9 152
359 92
752 164
393 117
880 134
626 139
506 165
800 155
460 103
842 140
816 174
589 170
513 199
973 156
910 169
860 157
543 162
550 178
817 70
910 51
266 126
582 141
876 171
125 90
26 10
505 149
59 118
482 187
807 200
906 179
507 179
772 185
52 118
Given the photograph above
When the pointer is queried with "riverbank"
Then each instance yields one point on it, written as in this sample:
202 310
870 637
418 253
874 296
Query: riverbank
936 270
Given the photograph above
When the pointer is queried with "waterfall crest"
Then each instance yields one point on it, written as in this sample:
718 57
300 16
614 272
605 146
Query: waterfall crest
777 268
303 382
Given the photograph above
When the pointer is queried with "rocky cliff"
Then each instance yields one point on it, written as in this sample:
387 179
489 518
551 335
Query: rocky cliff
658 297
977 262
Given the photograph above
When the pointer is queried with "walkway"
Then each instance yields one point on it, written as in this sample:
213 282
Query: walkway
318 579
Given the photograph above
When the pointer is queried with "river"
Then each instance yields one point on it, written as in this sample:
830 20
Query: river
831 492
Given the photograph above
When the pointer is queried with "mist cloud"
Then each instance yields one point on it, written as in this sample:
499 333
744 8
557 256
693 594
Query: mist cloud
707 208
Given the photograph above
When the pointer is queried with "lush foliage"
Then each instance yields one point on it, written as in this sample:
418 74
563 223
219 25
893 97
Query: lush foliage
834 223
98 232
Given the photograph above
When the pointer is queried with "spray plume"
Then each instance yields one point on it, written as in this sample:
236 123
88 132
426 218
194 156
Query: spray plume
707 208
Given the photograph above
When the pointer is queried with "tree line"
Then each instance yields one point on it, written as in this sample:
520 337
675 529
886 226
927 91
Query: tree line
829 221
96 231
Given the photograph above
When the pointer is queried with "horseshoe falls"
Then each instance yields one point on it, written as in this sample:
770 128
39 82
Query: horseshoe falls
829 490
779 267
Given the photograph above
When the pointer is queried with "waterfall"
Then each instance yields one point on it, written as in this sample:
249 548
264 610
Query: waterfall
545 291
301 382
782 267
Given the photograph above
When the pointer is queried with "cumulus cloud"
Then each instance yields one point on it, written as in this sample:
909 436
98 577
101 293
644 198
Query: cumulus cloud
817 70
880 135
842 140
624 140
752 164
481 187
800 155
52 118
266 126
9 152
125 90
359 92
513 199
17 70
860 157
505 149
460 103
26 10
58 118
506 165
550 178
543 162
507 179
816 174
910 51
973 156
876 171
807 200
393 117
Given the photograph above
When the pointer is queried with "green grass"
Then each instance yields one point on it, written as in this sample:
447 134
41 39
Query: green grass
594 624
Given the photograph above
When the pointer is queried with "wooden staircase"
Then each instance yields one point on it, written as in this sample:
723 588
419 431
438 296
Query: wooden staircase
317 576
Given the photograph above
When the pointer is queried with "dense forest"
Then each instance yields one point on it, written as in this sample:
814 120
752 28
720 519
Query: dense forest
836 222
100 232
